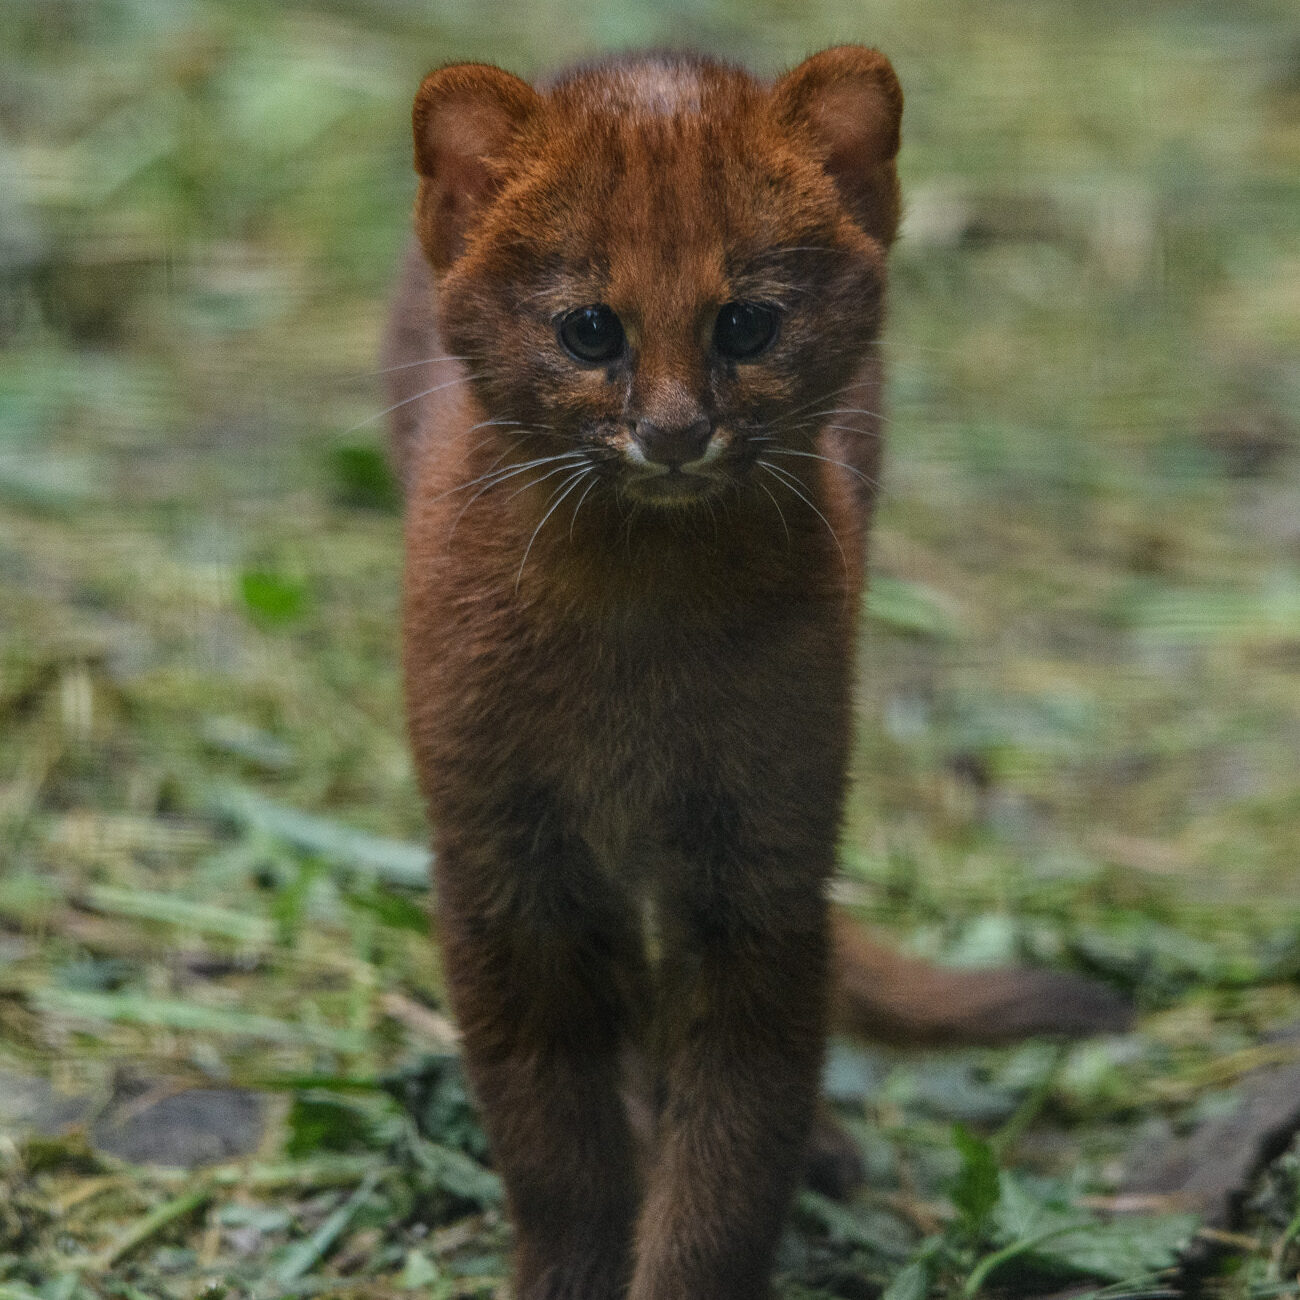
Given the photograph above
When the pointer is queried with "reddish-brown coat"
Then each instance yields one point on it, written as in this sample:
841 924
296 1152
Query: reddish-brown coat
631 717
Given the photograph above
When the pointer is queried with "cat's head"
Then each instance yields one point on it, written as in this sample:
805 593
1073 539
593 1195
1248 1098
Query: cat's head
660 259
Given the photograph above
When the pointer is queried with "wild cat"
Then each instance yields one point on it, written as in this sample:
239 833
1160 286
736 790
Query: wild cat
636 411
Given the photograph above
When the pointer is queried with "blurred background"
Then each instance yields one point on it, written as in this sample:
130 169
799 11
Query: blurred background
1080 700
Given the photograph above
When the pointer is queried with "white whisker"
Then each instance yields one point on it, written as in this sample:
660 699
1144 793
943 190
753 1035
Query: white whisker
406 365
406 401
810 248
856 410
508 469
563 490
812 455
848 428
550 473
780 514
793 484
714 518
823 397
810 421
500 476
594 480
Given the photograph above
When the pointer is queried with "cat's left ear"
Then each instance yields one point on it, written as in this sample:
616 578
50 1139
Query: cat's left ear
465 118
850 103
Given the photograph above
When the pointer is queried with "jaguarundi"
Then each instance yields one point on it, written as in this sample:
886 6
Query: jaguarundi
636 381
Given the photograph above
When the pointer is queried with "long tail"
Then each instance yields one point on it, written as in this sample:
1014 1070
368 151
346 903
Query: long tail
888 997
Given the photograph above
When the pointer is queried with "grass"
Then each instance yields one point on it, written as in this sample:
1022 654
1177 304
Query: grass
1080 709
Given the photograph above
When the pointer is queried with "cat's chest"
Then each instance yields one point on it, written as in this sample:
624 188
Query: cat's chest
623 720
632 735
632 716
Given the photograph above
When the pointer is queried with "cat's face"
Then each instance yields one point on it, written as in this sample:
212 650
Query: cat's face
664 275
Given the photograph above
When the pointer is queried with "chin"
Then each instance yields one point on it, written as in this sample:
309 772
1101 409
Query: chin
675 489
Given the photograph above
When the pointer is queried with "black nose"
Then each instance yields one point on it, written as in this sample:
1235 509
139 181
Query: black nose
673 445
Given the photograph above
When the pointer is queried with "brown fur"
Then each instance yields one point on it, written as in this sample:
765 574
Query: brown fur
630 699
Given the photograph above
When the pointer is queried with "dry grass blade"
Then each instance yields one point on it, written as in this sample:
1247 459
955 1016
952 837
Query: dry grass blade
189 1017
389 860
166 909
154 1222
304 1256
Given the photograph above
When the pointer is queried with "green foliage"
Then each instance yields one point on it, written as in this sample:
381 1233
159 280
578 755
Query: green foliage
976 1189
320 1122
1037 1219
912 1282
272 598
393 910
1010 1225
1078 709
434 1092
362 478
909 609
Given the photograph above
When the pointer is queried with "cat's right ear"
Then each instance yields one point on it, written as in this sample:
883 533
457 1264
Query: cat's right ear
465 118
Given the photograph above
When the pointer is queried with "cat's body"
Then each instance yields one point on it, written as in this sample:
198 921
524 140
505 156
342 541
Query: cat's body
639 494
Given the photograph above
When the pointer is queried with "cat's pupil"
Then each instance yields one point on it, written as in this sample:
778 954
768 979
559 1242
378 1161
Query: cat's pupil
743 329
592 334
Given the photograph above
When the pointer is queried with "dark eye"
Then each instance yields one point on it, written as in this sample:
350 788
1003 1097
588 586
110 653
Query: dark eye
591 334
743 330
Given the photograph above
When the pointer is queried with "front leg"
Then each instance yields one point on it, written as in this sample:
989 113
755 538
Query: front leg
745 1003
543 971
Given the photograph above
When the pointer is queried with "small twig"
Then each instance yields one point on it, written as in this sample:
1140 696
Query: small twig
926 1218
340 1171
1228 1069
1237 1240
419 1020
1137 1203
85 1191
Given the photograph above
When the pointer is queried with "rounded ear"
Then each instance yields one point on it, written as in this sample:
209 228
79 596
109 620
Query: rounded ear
849 101
465 118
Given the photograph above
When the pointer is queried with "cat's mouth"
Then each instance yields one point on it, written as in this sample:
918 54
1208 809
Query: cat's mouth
671 485
712 472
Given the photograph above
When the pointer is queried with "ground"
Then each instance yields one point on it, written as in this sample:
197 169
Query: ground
223 1065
